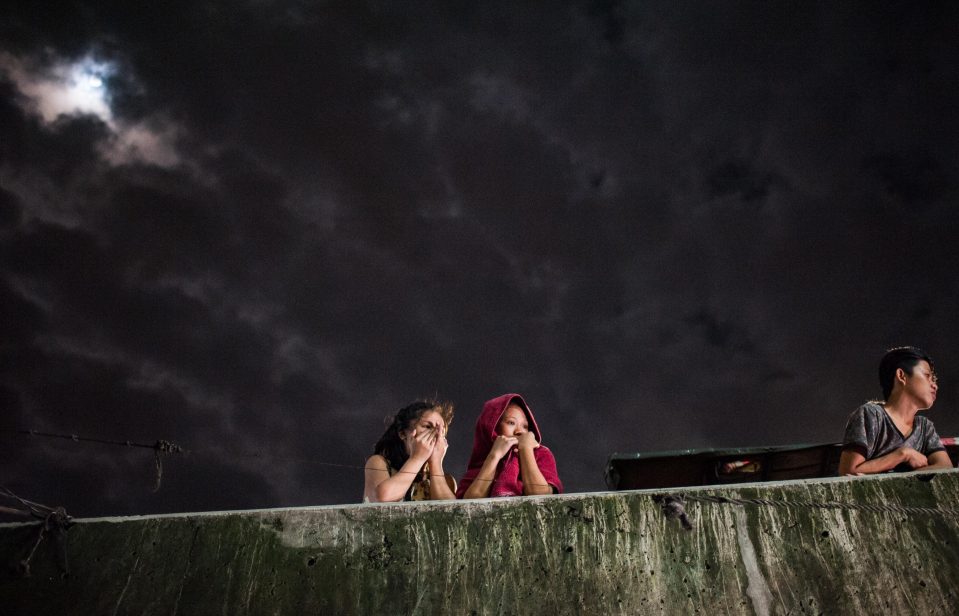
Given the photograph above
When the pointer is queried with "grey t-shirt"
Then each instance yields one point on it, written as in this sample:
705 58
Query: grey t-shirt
871 432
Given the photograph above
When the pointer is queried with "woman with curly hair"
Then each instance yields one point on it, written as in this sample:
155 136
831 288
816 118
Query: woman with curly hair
407 461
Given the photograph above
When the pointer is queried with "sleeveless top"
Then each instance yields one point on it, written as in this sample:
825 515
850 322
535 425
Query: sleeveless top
420 488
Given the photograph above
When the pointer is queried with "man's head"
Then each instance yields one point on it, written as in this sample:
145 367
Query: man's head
904 358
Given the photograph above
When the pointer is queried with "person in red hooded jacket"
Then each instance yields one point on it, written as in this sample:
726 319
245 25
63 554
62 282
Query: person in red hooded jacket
508 456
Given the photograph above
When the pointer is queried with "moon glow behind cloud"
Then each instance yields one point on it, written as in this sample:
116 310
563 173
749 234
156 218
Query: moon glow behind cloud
66 88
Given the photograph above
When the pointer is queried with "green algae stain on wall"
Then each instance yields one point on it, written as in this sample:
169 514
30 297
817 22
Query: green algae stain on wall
610 553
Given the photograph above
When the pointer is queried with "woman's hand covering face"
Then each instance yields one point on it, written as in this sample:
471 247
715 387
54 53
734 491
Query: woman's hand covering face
502 445
420 443
440 445
527 440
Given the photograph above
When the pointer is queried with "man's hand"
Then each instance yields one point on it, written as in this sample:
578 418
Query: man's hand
913 458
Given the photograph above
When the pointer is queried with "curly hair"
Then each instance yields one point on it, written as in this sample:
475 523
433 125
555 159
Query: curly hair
391 445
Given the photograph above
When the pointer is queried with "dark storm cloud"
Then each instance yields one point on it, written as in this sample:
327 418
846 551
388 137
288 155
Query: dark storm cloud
669 226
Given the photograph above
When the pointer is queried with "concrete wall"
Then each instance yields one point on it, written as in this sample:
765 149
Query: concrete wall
605 553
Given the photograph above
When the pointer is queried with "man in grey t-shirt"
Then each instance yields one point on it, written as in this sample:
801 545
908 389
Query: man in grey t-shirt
884 436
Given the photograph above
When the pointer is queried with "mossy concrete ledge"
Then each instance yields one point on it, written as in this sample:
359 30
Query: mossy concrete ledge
603 553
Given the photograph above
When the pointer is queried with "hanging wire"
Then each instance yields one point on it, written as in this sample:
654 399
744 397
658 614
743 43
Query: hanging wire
162 448
159 447
54 520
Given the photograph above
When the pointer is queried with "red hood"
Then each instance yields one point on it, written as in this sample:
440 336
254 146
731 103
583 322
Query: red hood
507 480
488 420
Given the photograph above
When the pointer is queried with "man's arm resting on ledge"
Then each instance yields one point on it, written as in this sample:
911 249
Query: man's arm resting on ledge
851 462
939 459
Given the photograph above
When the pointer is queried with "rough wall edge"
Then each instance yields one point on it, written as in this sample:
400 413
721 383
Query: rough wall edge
486 502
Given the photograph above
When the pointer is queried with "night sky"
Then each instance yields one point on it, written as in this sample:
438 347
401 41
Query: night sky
256 229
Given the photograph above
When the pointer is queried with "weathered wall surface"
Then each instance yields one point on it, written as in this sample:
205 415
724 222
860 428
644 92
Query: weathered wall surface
607 553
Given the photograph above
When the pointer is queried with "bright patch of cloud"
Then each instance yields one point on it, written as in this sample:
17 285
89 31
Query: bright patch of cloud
63 89
81 88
